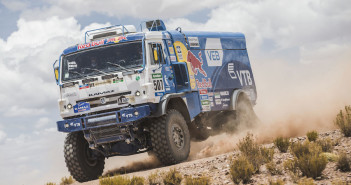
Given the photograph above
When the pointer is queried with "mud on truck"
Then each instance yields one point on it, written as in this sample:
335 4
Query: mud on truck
124 92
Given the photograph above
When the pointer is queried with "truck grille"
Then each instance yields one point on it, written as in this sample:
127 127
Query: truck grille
104 100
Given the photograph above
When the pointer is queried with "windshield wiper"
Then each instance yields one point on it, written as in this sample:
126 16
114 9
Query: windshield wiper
118 66
75 72
95 70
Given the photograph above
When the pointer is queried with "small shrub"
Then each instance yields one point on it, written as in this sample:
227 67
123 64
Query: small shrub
343 163
173 177
197 180
312 136
343 121
115 180
308 159
267 154
66 180
282 144
154 179
330 156
273 169
137 181
241 170
50 183
291 166
254 153
277 182
306 181
340 182
326 144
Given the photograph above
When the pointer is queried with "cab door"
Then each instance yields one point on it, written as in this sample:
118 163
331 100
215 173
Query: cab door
161 71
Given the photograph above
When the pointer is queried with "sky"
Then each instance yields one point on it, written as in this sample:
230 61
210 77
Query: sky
299 50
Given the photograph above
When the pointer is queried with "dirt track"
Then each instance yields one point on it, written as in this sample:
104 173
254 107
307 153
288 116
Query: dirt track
217 167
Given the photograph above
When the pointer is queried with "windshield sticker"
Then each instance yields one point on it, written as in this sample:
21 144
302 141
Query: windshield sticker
85 86
193 42
72 65
81 107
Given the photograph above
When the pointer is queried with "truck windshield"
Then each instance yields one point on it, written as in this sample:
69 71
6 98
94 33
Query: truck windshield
102 60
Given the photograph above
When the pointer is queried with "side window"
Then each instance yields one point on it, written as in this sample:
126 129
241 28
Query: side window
157 54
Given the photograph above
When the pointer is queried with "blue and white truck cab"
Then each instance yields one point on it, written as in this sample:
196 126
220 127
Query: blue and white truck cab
124 92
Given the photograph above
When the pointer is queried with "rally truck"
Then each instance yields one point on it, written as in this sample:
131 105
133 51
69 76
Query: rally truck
124 92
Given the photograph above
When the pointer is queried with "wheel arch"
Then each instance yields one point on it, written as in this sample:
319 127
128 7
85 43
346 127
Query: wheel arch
236 95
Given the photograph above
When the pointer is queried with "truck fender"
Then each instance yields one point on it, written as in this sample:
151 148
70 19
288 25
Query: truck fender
234 98
162 106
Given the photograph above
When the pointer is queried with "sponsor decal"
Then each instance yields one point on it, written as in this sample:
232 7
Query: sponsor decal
159 93
244 77
85 86
179 53
218 101
214 52
231 71
116 39
173 58
206 108
91 44
117 80
203 91
205 102
69 94
217 95
225 105
156 75
122 100
101 93
124 115
74 124
204 83
225 99
169 43
81 107
196 64
193 42
171 51
204 97
224 93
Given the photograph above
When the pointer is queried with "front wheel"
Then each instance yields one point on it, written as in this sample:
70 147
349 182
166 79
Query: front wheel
83 163
170 138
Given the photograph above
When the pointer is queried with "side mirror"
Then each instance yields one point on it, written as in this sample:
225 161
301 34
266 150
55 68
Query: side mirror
56 74
155 54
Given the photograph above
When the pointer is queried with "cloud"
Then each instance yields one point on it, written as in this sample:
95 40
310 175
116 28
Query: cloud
2 136
42 122
26 59
14 5
120 9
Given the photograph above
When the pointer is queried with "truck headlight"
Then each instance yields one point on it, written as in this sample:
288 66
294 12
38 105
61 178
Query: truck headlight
69 106
137 93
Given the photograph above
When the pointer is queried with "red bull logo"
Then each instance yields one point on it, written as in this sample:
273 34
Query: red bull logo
196 64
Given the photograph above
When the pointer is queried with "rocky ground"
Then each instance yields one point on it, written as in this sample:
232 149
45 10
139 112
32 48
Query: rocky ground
217 167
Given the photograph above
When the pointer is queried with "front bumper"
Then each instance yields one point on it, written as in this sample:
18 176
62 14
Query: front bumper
122 116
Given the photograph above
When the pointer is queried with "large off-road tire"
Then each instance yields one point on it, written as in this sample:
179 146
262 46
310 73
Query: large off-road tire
170 138
81 161
199 131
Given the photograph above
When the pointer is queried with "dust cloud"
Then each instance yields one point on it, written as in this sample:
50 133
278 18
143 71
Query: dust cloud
292 100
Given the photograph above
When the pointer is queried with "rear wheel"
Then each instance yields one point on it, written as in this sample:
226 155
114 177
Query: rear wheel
170 138
83 163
